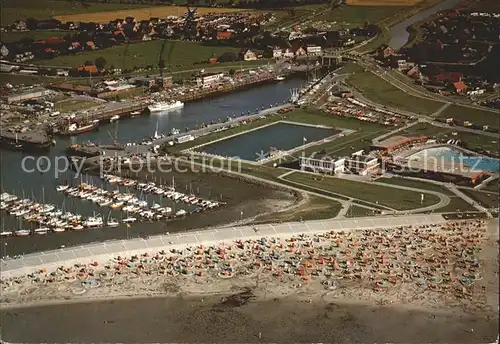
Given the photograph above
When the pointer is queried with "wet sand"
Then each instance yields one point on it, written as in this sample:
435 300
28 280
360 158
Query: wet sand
290 319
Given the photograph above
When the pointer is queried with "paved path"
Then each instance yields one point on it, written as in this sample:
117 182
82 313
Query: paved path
469 200
444 200
103 252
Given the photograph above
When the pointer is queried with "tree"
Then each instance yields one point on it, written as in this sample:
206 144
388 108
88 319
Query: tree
231 72
100 62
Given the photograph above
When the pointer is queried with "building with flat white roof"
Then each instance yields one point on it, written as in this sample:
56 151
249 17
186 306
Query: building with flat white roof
322 164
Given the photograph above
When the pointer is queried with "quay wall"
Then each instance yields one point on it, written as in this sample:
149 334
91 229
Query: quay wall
103 252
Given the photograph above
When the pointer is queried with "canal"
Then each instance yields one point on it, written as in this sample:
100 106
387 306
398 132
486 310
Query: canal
399 34
41 186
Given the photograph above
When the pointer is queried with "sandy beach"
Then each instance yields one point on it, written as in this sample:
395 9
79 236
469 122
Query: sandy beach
335 291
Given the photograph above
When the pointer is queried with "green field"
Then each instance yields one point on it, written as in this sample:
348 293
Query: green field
13 10
355 211
487 200
394 198
472 140
382 92
458 205
493 186
475 116
417 184
177 55
351 16
34 35
316 208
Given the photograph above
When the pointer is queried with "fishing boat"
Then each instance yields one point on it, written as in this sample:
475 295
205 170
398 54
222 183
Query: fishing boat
75 129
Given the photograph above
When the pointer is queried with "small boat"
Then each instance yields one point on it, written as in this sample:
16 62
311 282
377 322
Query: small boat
112 223
58 230
114 118
134 113
280 78
41 231
22 232
181 212
5 233
129 220
61 188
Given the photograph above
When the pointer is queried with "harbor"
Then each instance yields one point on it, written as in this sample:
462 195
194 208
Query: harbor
197 114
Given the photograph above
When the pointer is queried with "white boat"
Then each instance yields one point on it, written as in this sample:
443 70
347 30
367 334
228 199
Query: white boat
61 188
22 232
280 78
93 221
165 106
181 212
175 131
41 230
112 223
58 229
114 118
5 233
129 220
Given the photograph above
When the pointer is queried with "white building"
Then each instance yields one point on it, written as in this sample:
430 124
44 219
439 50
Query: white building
322 164
249 56
288 54
361 164
209 79
314 50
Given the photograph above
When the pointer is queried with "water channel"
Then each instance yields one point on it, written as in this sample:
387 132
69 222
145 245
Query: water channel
399 34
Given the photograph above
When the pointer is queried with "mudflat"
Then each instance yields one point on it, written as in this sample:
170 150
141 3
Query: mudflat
290 319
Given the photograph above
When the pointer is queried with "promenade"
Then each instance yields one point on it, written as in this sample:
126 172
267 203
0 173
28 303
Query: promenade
103 252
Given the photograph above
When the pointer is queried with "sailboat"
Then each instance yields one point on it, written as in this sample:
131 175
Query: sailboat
111 222
18 145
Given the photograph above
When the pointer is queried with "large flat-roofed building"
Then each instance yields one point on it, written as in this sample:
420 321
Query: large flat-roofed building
27 95
361 164
209 79
321 163
398 141
442 170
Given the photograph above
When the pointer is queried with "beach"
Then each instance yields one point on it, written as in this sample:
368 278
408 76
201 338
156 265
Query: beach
407 284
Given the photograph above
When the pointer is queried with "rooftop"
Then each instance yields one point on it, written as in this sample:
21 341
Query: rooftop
397 140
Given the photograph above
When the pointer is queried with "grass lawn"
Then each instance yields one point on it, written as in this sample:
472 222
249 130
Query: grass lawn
351 16
13 10
417 184
493 186
315 208
457 204
34 35
394 198
473 140
382 92
475 116
355 211
177 55
487 200
73 104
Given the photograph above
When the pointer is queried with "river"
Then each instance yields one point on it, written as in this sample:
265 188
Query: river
399 34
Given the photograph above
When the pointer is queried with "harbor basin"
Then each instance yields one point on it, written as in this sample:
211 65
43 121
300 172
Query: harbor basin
257 143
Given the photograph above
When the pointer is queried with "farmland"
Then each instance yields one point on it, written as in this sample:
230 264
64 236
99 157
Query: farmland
13 10
382 2
138 13
176 54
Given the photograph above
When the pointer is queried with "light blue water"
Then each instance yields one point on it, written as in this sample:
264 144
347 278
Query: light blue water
474 162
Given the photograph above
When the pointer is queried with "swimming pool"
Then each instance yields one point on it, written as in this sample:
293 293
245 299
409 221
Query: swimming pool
447 153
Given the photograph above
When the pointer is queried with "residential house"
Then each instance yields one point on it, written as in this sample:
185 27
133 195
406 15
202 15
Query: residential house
277 53
460 87
300 52
313 50
224 35
249 55
288 53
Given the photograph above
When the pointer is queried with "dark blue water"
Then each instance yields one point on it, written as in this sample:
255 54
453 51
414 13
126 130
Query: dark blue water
257 144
